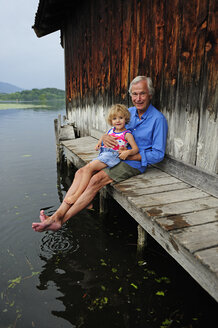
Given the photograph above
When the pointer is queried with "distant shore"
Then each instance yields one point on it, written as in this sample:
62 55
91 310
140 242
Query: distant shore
4 106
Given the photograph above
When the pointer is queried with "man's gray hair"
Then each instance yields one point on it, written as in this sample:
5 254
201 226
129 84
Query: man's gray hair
138 79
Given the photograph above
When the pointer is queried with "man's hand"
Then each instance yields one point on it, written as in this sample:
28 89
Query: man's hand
109 141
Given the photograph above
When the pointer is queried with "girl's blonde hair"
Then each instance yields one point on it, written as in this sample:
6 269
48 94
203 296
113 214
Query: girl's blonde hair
118 108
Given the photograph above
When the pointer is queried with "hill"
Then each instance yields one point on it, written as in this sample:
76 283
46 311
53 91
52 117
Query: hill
8 88
42 95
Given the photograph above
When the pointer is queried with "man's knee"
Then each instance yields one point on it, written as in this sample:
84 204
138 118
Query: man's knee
80 171
99 180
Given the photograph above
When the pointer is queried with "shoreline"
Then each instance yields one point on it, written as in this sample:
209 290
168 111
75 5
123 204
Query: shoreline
5 106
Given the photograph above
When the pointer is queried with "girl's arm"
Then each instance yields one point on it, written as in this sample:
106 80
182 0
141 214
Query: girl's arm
97 147
134 148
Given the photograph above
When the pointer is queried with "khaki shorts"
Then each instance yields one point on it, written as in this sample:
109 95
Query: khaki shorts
121 171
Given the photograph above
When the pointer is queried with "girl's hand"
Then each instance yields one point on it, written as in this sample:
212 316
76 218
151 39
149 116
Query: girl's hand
97 147
123 154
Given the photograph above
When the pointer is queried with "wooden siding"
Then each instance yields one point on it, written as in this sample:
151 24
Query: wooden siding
107 43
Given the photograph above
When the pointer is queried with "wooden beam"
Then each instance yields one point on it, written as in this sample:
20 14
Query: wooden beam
197 177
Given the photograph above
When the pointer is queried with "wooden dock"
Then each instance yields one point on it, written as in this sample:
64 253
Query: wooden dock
181 217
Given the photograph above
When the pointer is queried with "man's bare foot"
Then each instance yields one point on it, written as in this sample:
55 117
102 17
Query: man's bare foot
46 224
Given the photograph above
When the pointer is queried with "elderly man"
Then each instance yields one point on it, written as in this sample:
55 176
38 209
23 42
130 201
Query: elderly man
149 128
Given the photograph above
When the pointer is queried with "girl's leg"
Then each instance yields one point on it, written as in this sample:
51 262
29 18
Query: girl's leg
88 172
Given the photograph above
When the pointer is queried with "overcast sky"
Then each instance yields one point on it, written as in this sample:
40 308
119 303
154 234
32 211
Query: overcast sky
26 60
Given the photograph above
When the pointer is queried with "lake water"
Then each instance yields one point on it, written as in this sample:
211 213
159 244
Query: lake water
87 274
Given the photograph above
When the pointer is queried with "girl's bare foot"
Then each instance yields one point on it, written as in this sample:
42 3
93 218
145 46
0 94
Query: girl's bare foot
42 216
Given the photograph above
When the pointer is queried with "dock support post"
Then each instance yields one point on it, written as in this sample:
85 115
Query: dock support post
103 201
68 167
57 126
142 240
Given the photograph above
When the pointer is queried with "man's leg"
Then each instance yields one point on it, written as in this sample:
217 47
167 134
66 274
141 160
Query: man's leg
98 181
87 172
63 208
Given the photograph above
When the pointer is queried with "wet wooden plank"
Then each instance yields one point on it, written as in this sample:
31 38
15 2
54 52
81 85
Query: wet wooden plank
198 237
186 220
179 208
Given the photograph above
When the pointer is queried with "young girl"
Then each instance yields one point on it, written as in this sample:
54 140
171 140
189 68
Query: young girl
108 157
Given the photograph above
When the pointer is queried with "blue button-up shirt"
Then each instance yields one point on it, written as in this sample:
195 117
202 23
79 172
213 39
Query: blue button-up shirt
150 134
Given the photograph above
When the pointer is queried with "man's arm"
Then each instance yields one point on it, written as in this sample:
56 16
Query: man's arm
97 147
136 157
155 154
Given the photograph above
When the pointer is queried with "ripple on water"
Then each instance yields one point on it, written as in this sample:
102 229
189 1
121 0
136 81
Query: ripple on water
59 241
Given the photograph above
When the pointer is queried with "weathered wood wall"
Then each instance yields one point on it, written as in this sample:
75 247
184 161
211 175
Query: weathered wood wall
107 43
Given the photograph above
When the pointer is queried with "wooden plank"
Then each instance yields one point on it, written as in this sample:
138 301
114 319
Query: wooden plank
77 162
167 197
186 220
208 131
125 52
85 143
152 172
172 51
145 182
198 237
181 207
139 189
115 51
79 151
210 258
197 177
135 38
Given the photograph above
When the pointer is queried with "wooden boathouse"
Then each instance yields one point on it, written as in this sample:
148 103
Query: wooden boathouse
106 44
